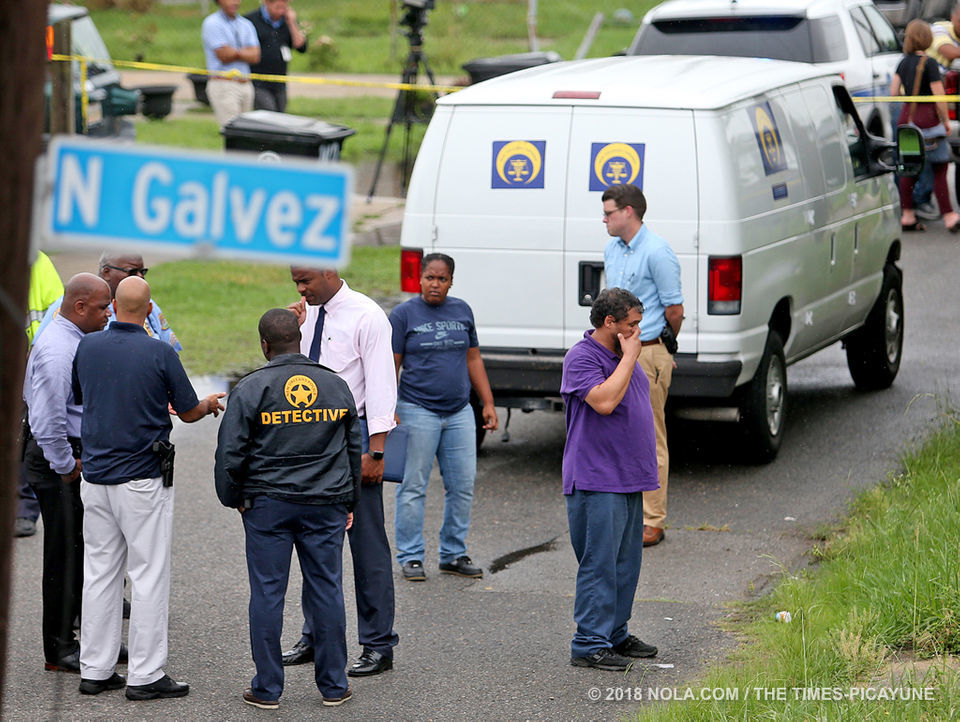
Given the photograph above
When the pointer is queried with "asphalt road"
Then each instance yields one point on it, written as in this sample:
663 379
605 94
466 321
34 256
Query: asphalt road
498 648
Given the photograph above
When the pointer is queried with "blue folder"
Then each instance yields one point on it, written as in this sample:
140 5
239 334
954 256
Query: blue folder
394 451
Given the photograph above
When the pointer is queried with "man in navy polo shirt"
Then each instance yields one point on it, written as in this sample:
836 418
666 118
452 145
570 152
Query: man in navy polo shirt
609 460
125 380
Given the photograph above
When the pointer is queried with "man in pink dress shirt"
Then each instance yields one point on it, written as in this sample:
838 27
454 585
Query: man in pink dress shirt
349 333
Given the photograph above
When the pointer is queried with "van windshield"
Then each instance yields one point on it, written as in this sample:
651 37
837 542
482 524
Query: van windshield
87 42
780 37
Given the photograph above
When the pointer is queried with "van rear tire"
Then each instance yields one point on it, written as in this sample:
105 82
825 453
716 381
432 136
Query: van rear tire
763 407
874 350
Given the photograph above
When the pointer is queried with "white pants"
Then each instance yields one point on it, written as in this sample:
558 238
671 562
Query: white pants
229 98
127 528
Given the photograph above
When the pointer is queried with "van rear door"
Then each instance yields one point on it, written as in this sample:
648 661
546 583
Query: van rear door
499 196
654 149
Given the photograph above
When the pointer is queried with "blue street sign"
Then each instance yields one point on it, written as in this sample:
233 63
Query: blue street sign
228 205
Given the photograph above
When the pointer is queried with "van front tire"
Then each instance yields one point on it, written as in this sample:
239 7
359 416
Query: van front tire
874 351
763 407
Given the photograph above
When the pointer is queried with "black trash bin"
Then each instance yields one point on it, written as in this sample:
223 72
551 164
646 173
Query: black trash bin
263 130
156 101
485 68
199 87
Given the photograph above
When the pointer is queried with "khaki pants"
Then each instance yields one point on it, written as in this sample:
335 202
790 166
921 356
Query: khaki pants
229 98
657 363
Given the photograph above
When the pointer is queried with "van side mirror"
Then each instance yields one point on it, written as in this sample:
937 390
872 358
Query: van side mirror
911 154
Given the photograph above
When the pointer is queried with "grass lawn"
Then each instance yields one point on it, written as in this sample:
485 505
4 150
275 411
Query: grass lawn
368 116
362 36
879 615
214 306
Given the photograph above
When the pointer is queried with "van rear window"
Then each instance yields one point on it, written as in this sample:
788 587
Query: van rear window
780 37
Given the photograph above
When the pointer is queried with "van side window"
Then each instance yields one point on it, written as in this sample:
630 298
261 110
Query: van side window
853 131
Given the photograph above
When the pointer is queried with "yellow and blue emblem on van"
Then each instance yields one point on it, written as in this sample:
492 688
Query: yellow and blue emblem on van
518 163
768 138
614 164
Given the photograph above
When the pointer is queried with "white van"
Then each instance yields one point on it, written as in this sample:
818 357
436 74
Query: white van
780 207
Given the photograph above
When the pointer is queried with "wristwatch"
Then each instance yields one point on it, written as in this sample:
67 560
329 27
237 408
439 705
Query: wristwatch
376 455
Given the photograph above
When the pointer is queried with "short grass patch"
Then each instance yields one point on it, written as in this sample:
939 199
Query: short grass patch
878 617
214 306
368 116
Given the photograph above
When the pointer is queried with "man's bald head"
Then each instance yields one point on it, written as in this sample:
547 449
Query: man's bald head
86 302
133 300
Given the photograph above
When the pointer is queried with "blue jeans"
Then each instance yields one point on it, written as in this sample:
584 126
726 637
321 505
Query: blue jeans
272 529
606 530
453 441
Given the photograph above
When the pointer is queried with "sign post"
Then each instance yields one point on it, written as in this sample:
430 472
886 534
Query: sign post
196 203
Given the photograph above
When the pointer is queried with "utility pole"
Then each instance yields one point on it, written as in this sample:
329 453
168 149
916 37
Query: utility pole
21 121
62 112
532 40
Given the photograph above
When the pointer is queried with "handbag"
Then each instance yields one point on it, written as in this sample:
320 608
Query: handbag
935 145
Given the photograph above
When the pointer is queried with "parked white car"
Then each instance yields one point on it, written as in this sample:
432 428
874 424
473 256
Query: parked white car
848 37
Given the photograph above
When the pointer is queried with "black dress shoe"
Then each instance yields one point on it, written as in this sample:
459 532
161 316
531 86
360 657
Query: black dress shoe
300 653
463 566
370 663
96 686
67 663
161 689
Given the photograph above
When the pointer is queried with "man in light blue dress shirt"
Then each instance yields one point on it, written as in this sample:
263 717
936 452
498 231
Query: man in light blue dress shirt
52 461
639 260
230 45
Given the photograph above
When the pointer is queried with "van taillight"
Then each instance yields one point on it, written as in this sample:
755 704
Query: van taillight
410 269
725 285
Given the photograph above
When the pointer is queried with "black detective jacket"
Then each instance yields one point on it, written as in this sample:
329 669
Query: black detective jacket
291 432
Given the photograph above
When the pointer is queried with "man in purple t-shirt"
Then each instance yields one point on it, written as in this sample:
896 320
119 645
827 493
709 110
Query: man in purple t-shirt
607 398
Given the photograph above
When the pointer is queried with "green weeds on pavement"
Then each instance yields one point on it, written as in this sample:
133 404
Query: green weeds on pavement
878 616
214 306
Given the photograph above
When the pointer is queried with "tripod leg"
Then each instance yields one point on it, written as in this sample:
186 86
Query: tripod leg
383 148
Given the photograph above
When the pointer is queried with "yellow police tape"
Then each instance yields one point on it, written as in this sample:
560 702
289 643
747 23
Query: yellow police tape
233 74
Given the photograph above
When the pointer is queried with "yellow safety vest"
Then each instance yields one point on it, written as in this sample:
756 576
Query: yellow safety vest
45 288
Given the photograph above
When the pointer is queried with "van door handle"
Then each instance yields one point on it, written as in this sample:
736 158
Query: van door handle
811 217
591 274
854 197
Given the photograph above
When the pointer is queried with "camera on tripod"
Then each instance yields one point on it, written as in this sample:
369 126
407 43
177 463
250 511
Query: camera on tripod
415 17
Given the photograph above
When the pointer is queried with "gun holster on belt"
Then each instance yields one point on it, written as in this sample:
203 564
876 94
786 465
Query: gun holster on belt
669 339
166 450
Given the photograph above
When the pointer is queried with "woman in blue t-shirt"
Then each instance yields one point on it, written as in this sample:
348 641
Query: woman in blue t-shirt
435 343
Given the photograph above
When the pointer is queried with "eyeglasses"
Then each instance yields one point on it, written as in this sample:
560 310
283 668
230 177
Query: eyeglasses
129 271
607 214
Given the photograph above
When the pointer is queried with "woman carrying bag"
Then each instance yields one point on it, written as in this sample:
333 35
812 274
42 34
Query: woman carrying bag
918 74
